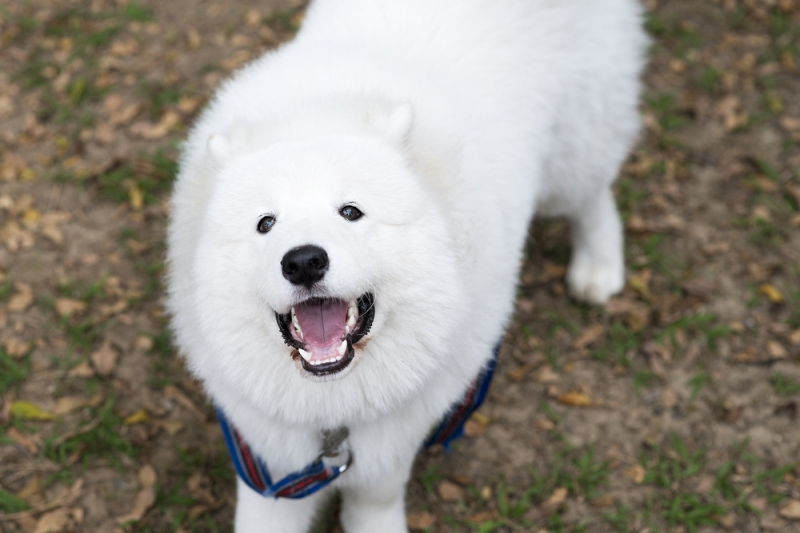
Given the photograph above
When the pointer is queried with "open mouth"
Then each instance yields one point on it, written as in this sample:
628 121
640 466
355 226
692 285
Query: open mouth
324 331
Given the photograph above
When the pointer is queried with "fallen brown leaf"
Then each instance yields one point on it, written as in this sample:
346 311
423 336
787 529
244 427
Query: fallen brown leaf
450 492
575 399
791 510
29 442
420 521
635 473
66 307
589 336
16 347
171 391
68 404
22 299
53 522
771 292
104 360
82 370
146 497
547 375
483 517
33 488
555 500
607 500
172 427
199 486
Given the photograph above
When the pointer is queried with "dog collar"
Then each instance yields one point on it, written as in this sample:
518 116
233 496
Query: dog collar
335 459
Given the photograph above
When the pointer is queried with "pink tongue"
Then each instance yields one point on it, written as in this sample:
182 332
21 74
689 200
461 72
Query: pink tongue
322 322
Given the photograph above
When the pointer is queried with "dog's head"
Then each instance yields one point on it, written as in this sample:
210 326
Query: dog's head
324 273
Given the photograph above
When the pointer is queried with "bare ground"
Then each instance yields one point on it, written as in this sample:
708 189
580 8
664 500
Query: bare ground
674 408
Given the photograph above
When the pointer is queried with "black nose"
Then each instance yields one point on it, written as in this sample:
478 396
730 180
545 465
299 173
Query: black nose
305 265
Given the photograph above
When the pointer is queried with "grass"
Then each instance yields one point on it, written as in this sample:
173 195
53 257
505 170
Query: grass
11 371
784 386
620 342
672 464
691 511
12 504
667 110
153 176
704 324
101 440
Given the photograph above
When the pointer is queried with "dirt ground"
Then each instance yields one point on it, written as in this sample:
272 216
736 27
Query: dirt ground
673 409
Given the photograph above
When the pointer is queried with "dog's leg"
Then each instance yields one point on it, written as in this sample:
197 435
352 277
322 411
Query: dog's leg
257 514
379 506
597 269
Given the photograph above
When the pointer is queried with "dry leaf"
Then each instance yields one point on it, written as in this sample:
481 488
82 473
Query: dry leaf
29 442
104 359
450 492
172 427
776 350
136 418
607 500
171 391
136 197
575 399
476 425
143 343
68 404
33 488
31 218
150 131
589 336
83 370
772 293
22 299
146 497
791 510
53 522
420 521
66 307
519 373
16 347
126 115
635 473
29 411
483 517
555 499
547 375
199 486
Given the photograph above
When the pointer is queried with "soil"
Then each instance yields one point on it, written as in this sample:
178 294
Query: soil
673 408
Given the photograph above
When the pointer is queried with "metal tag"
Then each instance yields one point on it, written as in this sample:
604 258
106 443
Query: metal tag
332 439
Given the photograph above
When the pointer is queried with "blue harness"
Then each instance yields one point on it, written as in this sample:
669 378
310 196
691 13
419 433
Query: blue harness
333 461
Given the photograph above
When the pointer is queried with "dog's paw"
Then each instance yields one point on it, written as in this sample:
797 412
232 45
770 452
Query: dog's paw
594 282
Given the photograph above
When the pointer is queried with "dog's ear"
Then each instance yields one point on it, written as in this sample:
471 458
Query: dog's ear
400 121
395 122
219 147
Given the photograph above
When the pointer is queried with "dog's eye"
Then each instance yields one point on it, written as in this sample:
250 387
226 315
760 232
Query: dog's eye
265 224
351 213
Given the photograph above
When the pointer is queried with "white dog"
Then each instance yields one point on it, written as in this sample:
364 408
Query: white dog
348 224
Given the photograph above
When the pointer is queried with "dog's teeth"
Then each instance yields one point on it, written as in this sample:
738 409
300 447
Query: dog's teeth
342 347
347 330
306 355
351 321
352 310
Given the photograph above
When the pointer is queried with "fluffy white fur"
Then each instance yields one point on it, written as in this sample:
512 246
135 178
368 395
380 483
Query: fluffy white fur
450 123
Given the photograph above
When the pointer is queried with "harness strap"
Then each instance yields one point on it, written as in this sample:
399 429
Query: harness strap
318 474
452 425
253 471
